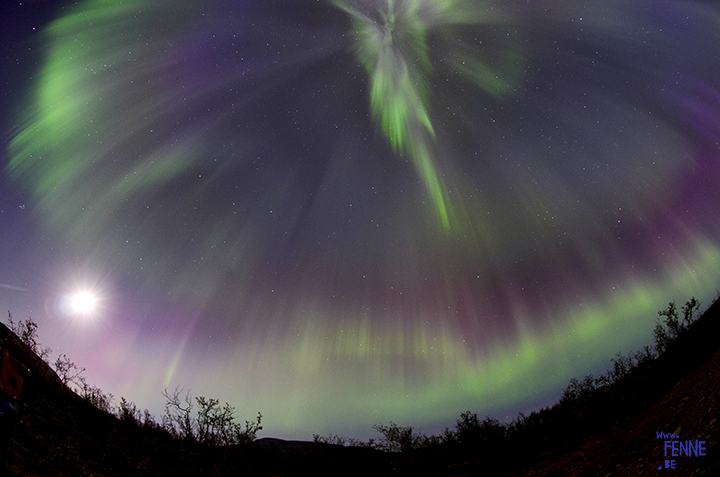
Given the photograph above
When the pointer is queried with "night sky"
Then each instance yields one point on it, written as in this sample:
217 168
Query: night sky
341 213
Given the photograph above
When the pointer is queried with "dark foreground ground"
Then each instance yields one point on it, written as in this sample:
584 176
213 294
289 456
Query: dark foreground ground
61 435
691 409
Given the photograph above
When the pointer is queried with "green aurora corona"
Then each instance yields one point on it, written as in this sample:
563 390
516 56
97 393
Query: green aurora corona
343 213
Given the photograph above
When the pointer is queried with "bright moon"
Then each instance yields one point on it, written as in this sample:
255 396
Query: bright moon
82 302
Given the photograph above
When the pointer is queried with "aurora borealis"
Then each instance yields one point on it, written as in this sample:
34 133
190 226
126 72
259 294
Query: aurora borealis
341 213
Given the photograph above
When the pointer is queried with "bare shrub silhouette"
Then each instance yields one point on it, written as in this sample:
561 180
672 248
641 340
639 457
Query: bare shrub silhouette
26 330
670 327
397 438
128 412
472 431
216 426
97 397
68 372
342 441
212 424
178 418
